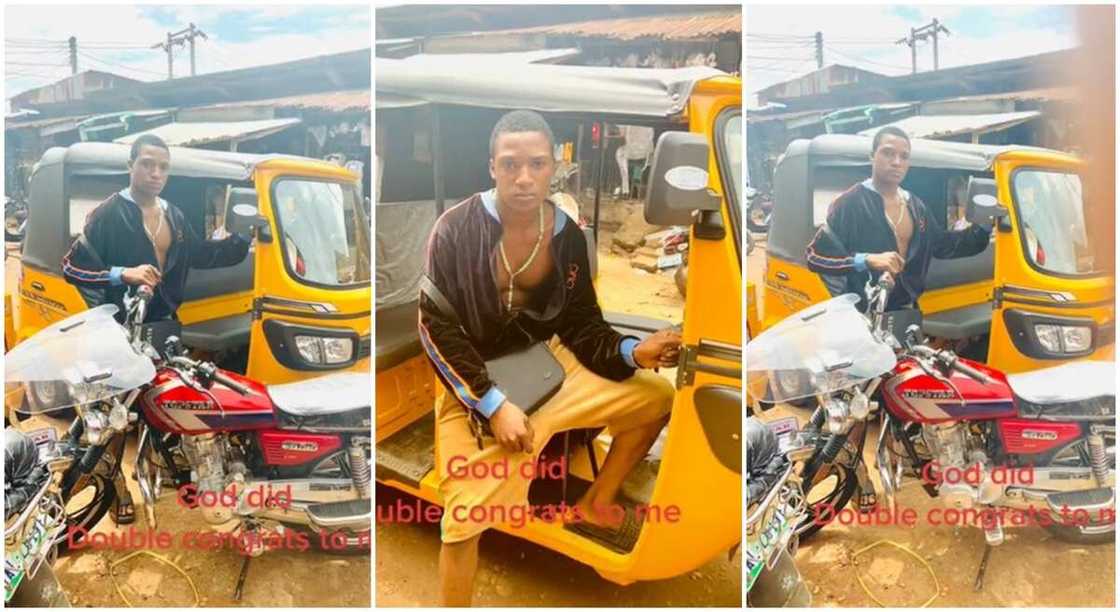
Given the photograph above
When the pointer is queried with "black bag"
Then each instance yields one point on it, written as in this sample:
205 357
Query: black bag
528 376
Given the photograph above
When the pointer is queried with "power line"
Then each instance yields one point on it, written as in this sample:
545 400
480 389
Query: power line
864 60
108 63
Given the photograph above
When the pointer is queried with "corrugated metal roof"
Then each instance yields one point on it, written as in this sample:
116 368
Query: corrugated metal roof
39 123
187 134
334 101
667 27
941 126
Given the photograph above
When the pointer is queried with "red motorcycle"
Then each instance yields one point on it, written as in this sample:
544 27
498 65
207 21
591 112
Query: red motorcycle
266 465
1040 444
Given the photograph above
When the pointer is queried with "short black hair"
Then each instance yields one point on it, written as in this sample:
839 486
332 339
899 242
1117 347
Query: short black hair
521 121
150 140
889 130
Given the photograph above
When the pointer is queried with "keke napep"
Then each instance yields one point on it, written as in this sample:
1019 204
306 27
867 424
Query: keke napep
434 118
246 316
1036 297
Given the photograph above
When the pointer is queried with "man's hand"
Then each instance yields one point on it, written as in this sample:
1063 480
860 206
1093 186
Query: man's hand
512 428
141 275
661 349
886 262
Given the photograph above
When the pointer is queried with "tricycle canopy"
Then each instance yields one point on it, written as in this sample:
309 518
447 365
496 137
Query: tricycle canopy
603 91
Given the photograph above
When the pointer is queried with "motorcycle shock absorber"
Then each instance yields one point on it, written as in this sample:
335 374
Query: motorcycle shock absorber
359 469
1098 458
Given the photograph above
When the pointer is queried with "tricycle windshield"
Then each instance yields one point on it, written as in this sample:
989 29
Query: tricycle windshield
80 359
1052 218
325 233
821 349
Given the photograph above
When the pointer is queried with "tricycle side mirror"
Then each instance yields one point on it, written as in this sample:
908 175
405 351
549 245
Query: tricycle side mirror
243 215
679 180
982 207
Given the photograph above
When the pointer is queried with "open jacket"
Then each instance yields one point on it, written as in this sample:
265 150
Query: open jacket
856 226
114 238
462 262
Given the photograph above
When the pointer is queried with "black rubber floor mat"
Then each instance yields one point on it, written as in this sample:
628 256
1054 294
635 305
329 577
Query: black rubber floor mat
408 455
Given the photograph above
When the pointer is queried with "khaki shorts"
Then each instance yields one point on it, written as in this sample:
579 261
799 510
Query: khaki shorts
585 400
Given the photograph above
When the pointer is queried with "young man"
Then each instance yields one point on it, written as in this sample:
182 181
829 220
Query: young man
515 269
137 238
877 226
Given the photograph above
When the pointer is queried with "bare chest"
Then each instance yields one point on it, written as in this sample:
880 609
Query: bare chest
901 222
526 264
158 230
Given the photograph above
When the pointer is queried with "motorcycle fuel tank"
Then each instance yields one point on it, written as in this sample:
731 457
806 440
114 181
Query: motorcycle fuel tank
913 395
173 406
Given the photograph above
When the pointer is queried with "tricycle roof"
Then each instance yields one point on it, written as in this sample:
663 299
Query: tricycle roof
473 81
850 149
112 158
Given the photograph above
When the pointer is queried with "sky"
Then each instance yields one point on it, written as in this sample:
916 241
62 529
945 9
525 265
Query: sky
118 38
779 44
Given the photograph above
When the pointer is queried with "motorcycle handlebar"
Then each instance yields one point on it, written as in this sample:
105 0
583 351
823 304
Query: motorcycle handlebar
232 384
952 361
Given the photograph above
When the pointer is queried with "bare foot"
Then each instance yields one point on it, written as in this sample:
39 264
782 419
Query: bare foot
599 514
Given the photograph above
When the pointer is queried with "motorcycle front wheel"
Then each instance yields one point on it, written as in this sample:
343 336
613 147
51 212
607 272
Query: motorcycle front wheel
86 504
828 488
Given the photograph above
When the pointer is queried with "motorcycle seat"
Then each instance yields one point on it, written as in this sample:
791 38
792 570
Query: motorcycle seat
331 402
1079 389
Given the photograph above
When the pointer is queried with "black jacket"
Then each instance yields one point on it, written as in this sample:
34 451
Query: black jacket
462 263
856 224
115 233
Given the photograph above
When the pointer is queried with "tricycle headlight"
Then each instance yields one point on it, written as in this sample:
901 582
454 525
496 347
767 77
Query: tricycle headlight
324 351
1076 339
1064 338
1049 337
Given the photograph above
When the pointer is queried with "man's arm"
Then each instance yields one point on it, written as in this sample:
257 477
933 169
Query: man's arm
83 264
456 361
953 244
584 330
832 252
223 253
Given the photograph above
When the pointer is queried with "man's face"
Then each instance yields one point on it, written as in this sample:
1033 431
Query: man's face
891 160
522 167
148 172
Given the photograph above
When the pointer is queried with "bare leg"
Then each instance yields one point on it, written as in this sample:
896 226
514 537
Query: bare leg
627 449
458 562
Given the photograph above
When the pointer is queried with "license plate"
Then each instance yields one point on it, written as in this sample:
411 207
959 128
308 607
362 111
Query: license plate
785 430
42 437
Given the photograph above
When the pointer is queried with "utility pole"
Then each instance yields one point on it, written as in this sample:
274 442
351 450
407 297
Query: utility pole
819 40
929 31
180 38
73 55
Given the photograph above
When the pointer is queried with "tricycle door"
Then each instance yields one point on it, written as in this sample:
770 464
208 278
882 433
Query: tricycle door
311 294
1053 297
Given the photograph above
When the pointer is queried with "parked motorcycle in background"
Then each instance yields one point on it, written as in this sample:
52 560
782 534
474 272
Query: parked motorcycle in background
1041 443
775 507
34 520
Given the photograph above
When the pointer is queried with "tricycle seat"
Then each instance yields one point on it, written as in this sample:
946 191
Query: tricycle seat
959 323
224 334
635 325
398 338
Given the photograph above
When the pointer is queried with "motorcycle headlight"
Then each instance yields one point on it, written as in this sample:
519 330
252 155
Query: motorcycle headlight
1064 338
325 351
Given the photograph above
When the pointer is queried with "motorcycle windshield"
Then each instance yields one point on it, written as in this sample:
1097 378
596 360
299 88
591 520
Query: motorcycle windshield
821 349
81 359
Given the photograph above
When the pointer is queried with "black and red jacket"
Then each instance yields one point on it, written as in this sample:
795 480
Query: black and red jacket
115 233
462 261
856 226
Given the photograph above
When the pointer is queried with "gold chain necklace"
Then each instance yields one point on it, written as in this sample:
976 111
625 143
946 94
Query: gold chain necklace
159 227
529 260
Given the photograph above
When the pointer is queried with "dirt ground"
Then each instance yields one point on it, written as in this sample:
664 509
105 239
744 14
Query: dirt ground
1030 569
513 572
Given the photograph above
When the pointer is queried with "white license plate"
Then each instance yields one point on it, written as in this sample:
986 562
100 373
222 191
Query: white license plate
44 436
